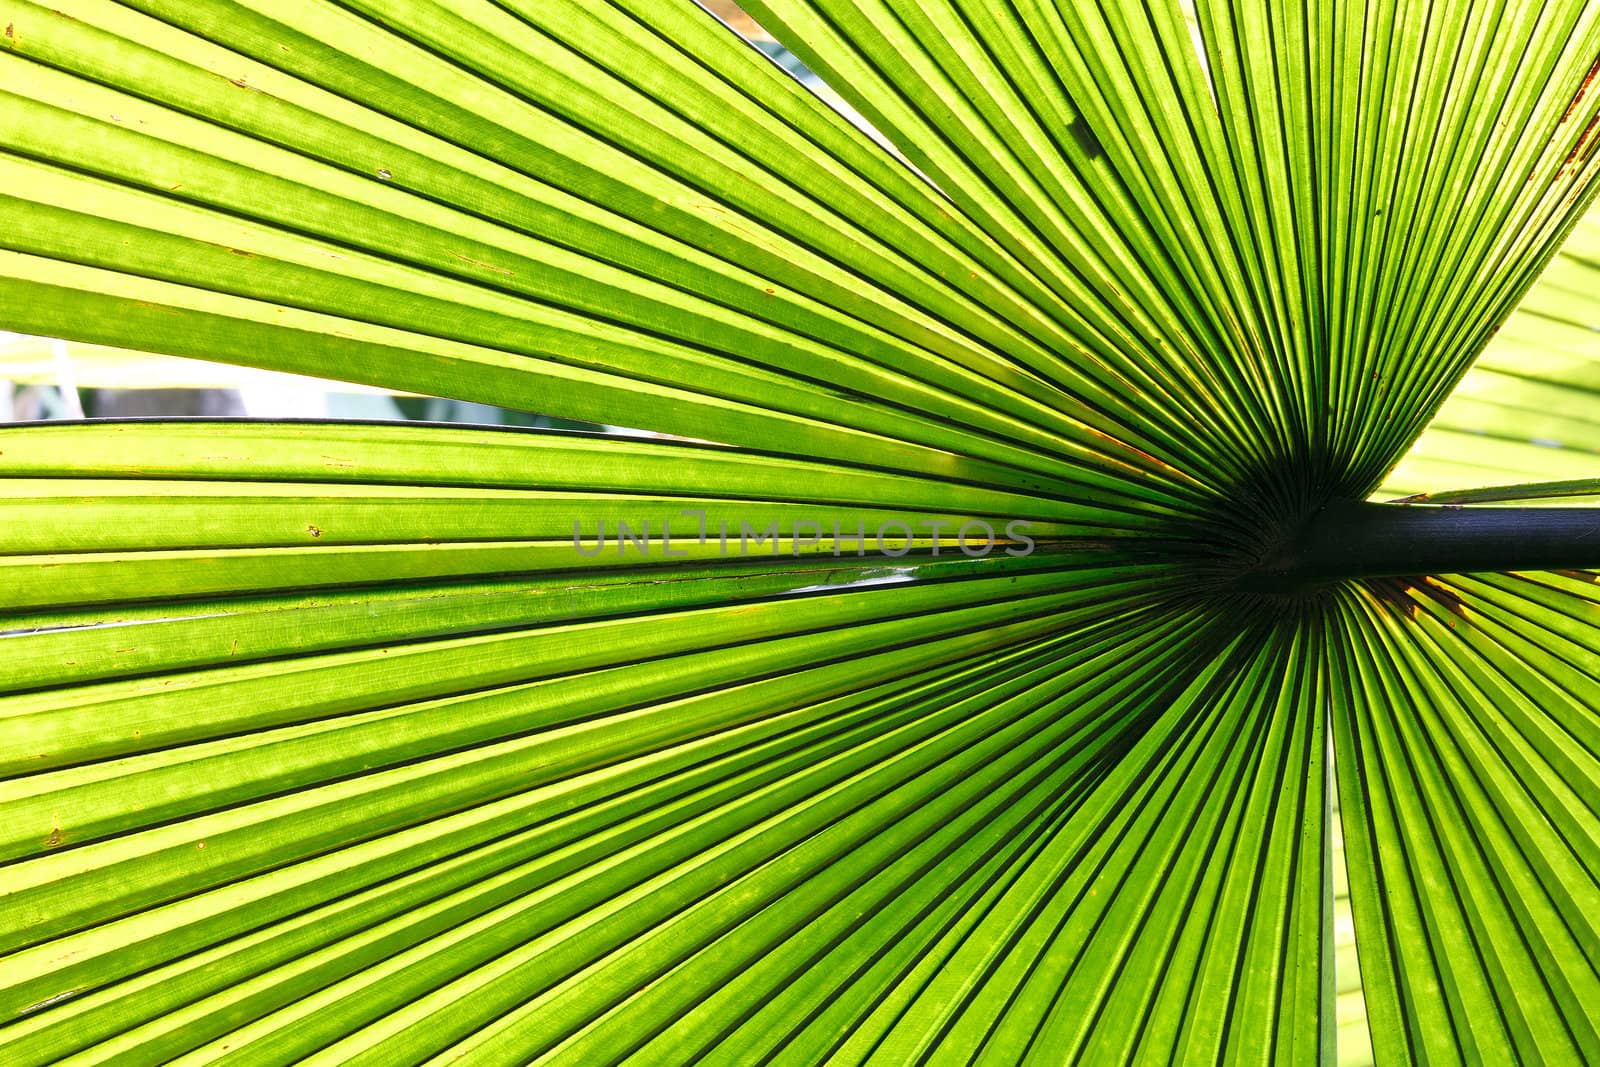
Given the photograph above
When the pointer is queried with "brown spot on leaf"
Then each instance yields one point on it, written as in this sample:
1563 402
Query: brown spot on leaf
479 263
314 531
54 839
1582 89
1404 595
1583 151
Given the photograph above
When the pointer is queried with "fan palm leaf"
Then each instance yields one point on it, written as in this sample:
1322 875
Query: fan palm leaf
922 713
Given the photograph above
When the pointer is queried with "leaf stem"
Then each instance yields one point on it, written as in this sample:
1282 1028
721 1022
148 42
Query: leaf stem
1359 539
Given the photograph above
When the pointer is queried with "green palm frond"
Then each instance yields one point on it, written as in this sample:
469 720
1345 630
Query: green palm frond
1526 411
928 719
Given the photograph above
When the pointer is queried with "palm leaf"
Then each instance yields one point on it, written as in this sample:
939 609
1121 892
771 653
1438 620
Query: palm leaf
1525 412
328 741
